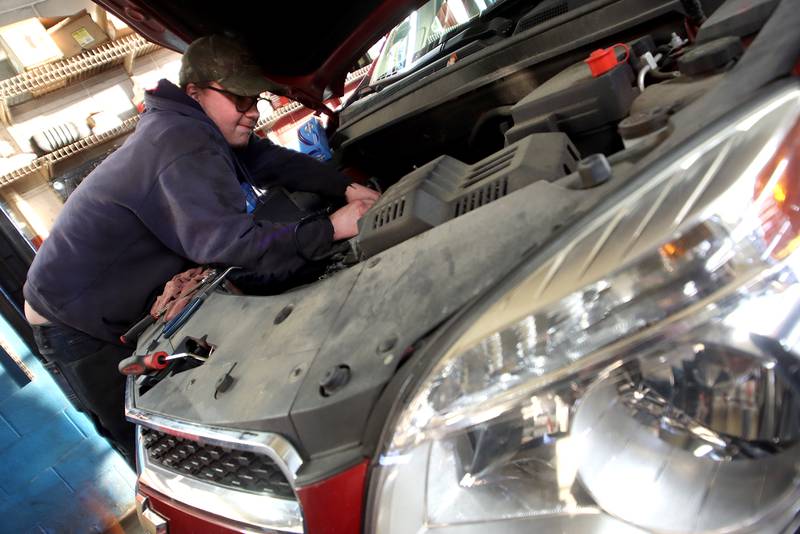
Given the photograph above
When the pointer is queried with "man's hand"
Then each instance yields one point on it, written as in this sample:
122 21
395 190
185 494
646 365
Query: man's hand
359 192
345 219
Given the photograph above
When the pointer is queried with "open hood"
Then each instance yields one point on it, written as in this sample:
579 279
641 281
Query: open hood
304 47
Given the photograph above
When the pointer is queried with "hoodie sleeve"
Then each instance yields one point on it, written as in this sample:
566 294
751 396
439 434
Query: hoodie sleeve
197 209
270 164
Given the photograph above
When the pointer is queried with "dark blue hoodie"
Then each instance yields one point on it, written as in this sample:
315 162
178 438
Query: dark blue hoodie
168 198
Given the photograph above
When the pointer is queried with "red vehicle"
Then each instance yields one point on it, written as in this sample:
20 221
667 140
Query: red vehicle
573 309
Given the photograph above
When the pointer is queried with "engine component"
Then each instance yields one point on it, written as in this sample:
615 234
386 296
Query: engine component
447 188
738 18
603 60
580 105
594 170
711 56
636 127
649 63
640 47
694 11
673 95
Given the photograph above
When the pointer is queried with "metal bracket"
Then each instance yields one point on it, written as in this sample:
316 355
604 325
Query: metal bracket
149 519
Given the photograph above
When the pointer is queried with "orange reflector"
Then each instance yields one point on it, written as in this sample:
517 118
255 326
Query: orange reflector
778 192
670 249
691 239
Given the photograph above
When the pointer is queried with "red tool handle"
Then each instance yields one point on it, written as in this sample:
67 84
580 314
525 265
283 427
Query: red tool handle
139 364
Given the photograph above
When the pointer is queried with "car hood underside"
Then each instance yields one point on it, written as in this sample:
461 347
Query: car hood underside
304 49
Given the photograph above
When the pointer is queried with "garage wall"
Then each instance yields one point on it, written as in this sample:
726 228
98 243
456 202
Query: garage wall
15 10
57 475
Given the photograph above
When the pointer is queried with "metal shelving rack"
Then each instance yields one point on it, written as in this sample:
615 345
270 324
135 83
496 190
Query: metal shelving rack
51 77
54 76
44 165
59 74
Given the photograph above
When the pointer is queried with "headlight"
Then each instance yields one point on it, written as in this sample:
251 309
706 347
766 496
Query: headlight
661 395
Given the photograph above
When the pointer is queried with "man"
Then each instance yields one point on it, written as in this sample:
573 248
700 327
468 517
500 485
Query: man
178 193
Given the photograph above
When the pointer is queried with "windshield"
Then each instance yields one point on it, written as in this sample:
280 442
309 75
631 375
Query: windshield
422 31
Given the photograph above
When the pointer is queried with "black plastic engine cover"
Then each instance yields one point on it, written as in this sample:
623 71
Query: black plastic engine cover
738 18
578 104
447 188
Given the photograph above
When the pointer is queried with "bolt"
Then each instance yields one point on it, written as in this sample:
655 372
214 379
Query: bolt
335 379
283 314
594 170
296 373
387 344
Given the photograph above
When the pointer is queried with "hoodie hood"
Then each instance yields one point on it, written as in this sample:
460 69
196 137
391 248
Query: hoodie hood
169 97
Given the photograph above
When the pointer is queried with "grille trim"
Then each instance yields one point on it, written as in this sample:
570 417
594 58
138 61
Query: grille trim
258 509
273 445
228 467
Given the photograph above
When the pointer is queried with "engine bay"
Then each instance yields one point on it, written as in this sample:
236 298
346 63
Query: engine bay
505 133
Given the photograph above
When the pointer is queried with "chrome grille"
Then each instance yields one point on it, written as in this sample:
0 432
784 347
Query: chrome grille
227 467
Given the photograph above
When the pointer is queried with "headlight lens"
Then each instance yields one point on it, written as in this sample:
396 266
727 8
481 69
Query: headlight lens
660 395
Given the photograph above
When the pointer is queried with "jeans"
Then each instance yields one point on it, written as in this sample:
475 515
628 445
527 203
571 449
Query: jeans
86 370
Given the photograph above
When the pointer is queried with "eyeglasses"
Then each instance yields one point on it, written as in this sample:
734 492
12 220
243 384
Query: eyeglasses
242 103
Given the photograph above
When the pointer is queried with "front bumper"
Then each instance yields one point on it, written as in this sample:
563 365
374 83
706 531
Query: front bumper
173 495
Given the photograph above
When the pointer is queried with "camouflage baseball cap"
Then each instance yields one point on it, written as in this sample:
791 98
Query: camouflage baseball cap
221 59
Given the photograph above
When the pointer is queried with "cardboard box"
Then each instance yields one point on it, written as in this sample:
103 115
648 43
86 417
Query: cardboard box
77 33
116 28
28 45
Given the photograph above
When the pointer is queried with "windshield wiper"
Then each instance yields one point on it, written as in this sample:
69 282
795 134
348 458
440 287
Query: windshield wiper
496 27
450 41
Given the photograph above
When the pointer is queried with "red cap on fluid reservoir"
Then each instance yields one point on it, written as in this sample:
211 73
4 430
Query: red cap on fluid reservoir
603 60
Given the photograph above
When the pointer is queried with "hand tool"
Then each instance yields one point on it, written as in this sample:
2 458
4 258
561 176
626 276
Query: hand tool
141 363
186 355
172 326
136 330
